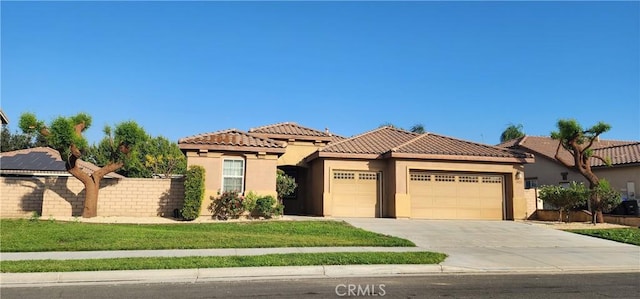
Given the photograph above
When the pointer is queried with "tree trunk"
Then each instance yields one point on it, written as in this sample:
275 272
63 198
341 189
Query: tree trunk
91 199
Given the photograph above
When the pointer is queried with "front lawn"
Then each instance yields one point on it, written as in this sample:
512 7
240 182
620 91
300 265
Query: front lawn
22 235
624 235
296 259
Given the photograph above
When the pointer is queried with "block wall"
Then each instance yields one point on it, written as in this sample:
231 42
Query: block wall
64 196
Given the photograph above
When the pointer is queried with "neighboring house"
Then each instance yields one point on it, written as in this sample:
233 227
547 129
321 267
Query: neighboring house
623 173
386 172
41 162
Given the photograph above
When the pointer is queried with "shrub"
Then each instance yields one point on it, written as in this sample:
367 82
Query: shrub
285 185
228 205
563 198
265 206
249 202
193 192
609 197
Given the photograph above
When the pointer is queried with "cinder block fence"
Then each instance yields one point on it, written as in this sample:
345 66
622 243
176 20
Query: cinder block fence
64 197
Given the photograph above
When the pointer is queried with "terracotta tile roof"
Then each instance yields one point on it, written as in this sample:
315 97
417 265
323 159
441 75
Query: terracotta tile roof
291 130
42 160
388 142
231 140
375 142
430 144
620 152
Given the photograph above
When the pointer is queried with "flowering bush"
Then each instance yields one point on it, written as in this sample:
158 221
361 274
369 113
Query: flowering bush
228 205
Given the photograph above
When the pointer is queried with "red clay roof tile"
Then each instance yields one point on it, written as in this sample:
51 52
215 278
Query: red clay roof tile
389 141
231 139
435 144
620 152
378 141
293 130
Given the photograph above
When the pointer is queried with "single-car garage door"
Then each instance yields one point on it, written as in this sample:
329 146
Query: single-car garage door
456 196
355 193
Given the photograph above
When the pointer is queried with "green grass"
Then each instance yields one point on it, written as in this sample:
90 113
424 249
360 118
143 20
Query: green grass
296 259
624 235
22 235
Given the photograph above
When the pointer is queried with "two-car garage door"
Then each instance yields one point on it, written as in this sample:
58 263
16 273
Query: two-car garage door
456 196
434 195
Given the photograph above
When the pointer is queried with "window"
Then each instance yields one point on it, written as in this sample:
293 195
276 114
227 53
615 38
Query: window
344 176
531 183
492 179
420 177
233 175
468 179
367 176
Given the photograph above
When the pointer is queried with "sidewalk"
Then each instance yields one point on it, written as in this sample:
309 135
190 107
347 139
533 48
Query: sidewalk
473 248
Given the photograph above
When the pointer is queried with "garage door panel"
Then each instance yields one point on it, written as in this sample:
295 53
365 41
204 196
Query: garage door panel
355 193
456 196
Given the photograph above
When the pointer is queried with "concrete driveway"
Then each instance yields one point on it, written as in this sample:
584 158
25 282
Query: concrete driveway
507 245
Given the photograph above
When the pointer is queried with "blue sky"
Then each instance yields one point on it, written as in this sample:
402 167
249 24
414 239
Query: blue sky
463 69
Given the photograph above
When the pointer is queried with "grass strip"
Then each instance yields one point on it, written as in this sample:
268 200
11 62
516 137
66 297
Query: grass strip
294 259
623 235
22 235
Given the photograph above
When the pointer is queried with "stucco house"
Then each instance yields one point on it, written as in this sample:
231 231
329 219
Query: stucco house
623 173
386 172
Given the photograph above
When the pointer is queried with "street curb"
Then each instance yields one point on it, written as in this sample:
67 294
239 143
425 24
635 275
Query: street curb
265 273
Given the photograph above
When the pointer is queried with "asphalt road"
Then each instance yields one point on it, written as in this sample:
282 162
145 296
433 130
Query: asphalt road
607 285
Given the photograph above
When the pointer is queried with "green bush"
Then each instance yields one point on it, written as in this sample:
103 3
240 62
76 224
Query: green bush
228 205
609 197
285 185
565 199
193 192
249 202
265 206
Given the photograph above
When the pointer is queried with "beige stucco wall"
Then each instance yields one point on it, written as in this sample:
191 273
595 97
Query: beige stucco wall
549 172
619 176
296 151
260 173
514 188
64 197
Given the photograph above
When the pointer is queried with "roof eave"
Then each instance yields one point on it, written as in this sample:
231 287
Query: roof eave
319 154
460 157
231 148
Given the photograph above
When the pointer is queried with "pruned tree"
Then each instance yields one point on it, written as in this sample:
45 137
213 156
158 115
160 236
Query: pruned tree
578 142
64 134
153 157
512 132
